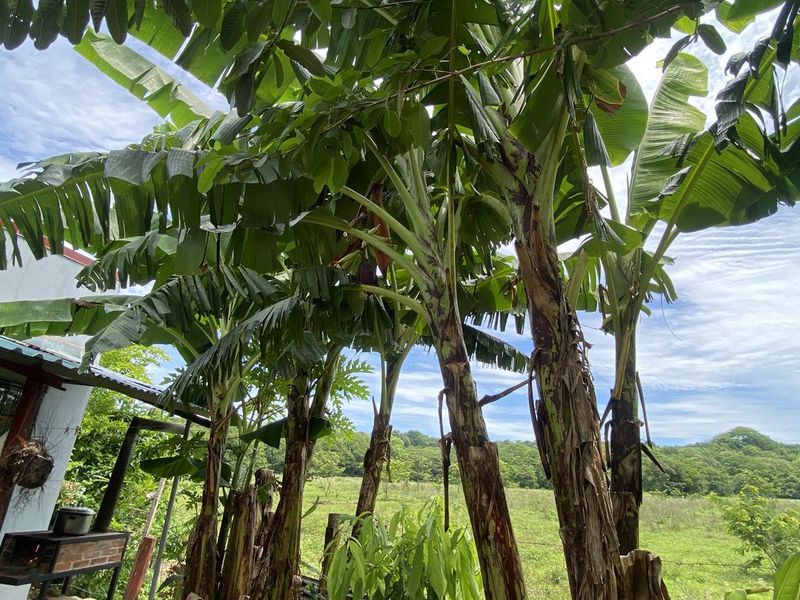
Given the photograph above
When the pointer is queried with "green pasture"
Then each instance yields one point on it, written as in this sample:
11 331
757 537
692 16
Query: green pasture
701 560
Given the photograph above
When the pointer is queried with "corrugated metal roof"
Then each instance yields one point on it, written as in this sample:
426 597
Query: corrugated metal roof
70 370
32 354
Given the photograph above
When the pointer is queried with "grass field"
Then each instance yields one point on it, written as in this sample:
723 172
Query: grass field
700 558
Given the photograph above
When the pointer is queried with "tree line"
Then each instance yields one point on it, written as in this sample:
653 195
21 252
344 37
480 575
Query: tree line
723 465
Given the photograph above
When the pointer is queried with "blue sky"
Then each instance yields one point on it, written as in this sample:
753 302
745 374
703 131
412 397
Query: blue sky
725 354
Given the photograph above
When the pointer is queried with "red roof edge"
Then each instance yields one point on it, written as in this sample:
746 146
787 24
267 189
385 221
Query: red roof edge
68 252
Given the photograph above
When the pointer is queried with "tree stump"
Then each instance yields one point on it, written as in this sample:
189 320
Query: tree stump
642 576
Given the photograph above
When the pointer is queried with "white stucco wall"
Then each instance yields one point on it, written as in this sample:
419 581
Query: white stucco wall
61 412
57 424
51 277
45 279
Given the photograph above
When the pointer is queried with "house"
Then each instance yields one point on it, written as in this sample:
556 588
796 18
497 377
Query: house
43 395
35 403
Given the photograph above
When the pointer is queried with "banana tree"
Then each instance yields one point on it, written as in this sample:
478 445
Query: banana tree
529 173
306 334
525 149
438 306
398 330
277 573
266 424
393 346
690 179
190 312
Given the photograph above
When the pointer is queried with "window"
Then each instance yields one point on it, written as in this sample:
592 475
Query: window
10 393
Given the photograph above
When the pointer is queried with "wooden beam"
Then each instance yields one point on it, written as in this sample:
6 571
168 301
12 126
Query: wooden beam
30 372
19 430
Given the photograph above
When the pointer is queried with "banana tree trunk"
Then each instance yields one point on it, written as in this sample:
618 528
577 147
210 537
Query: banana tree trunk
626 456
374 460
478 461
626 449
435 261
567 422
201 555
277 572
227 518
238 567
266 481
565 419
223 534
379 442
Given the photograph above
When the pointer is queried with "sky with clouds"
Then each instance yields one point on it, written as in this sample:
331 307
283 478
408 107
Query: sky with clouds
725 354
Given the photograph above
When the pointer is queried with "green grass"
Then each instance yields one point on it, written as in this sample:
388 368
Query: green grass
700 558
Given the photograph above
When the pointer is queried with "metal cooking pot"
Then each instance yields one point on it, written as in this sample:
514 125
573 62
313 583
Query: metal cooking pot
72 520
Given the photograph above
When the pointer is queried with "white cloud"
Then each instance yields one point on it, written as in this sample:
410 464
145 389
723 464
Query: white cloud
730 340
55 102
725 354
8 168
689 417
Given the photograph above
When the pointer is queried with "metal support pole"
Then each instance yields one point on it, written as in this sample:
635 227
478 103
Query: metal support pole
112 587
106 511
43 589
162 542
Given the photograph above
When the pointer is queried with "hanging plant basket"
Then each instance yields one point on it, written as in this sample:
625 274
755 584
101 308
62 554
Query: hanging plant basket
28 465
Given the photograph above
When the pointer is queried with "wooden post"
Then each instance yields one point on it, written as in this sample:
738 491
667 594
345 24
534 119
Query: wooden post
139 569
20 428
331 543
108 504
155 500
146 547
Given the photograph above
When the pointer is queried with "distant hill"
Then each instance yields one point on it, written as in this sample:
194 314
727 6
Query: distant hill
722 465
725 463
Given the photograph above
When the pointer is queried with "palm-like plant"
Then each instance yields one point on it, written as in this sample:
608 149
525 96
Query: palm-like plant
225 321
398 329
532 162
689 178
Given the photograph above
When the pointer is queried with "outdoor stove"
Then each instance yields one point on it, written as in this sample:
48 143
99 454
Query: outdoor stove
43 557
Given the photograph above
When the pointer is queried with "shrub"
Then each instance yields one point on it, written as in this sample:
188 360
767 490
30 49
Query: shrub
413 558
763 529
